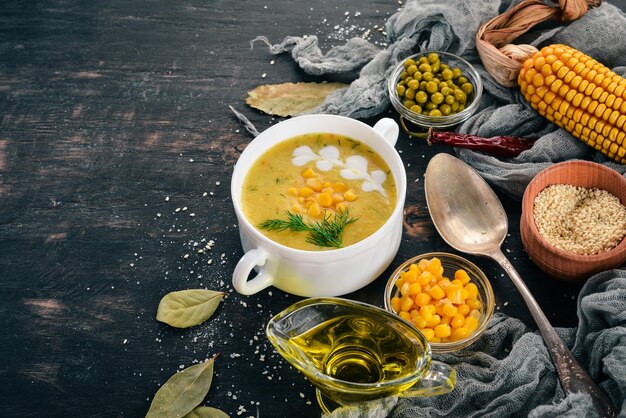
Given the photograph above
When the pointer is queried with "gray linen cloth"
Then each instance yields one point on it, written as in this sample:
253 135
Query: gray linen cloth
508 372
451 26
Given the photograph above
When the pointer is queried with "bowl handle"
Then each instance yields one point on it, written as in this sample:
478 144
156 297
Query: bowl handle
388 128
440 379
251 259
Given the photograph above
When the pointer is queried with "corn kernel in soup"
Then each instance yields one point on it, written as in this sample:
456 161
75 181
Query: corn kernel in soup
319 176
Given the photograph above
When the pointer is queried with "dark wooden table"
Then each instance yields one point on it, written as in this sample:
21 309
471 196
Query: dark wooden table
116 150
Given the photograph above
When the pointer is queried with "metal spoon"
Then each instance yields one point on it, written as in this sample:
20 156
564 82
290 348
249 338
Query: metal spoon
470 218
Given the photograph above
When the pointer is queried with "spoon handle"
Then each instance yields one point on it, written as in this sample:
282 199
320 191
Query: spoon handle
572 376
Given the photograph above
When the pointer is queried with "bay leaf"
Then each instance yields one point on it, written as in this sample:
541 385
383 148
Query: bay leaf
206 412
182 392
290 99
186 308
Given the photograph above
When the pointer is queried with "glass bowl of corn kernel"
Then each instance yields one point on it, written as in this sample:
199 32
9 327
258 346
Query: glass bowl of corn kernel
448 298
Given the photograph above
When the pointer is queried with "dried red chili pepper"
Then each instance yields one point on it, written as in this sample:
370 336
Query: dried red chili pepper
503 146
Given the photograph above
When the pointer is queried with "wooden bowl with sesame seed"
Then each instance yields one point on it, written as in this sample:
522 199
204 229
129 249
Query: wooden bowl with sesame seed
570 226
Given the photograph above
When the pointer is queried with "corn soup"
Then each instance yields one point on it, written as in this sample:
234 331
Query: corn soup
318 180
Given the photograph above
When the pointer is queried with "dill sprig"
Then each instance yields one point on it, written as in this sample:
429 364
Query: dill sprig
325 233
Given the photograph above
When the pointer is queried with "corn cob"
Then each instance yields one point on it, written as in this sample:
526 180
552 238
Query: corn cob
580 95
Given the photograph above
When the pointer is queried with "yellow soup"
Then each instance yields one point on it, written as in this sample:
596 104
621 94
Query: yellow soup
318 191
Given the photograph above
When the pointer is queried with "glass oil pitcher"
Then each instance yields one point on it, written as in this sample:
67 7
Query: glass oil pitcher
354 352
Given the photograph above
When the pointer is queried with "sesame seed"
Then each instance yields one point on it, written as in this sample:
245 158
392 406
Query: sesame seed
579 220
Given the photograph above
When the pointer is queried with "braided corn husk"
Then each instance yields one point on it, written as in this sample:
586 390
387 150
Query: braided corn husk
502 59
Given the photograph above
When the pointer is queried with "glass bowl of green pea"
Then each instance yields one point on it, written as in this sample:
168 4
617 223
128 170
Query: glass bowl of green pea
434 90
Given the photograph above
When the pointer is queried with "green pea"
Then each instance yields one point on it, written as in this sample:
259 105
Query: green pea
436 98
425 68
421 97
460 96
445 109
408 62
432 87
467 88
414 84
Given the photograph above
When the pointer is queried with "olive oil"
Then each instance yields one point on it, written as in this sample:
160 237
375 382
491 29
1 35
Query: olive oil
354 352
358 349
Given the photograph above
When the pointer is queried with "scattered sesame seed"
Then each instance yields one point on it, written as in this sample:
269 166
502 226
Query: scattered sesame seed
167 198
263 75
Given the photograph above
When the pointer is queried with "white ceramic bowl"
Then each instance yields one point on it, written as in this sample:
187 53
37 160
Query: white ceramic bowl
318 273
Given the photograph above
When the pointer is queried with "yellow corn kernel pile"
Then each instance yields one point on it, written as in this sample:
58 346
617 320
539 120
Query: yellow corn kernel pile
443 310
315 195
579 94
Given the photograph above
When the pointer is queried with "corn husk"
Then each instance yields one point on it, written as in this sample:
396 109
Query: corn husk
504 60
